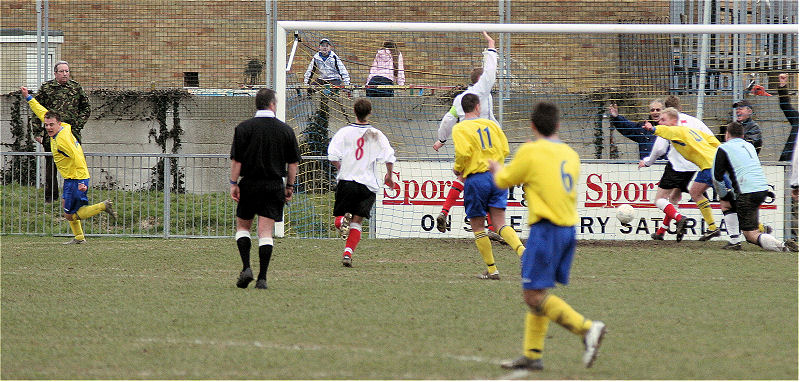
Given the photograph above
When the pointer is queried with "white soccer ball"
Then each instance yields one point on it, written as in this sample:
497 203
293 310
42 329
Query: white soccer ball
625 213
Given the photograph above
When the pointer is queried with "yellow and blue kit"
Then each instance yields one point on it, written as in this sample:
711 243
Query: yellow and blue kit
696 146
67 151
476 141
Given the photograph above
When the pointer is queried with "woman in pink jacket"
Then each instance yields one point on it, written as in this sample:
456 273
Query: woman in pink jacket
387 69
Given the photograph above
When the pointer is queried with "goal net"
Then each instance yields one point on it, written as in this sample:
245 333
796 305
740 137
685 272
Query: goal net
584 69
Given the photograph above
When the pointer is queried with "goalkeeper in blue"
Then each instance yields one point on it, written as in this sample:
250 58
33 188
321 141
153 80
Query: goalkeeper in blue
741 197
548 170
71 164
477 141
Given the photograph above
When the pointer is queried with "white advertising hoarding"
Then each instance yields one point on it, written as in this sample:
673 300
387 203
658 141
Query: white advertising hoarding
409 209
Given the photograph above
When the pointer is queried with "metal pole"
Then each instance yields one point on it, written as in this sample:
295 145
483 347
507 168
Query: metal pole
280 90
46 36
38 80
737 69
167 195
704 48
501 82
267 44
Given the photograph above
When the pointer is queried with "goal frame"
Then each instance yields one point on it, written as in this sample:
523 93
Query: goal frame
706 29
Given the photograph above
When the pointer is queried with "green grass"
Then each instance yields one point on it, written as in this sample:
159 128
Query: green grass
410 309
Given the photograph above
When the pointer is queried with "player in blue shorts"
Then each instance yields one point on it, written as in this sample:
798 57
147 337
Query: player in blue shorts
477 141
548 169
71 163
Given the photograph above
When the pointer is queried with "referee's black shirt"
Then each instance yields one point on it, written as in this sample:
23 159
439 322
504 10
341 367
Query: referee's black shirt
264 145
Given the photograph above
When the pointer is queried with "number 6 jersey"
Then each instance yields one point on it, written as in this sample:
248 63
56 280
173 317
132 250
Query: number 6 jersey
359 147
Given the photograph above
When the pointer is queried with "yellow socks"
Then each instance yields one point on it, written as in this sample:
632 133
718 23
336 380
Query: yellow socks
86 212
510 236
705 209
561 313
535 332
77 230
485 248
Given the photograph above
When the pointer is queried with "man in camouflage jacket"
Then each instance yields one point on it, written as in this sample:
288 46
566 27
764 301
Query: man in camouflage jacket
66 97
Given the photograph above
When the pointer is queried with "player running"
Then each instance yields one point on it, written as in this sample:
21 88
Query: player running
549 169
354 150
71 164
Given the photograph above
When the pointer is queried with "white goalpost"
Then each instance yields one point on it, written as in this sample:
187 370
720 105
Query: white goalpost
581 67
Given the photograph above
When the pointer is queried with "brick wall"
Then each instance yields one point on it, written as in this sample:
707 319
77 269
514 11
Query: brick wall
150 44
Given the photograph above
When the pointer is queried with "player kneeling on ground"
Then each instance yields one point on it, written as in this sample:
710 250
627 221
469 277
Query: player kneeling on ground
738 159
354 150
548 169
71 163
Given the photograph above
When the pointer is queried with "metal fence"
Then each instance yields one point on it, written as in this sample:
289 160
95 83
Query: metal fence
154 195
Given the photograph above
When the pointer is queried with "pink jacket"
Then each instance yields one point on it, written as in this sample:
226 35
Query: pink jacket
383 65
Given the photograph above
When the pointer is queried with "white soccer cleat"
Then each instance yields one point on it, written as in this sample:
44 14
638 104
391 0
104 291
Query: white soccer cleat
592 340
344 227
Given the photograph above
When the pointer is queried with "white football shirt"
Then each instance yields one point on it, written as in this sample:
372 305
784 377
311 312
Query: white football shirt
359 147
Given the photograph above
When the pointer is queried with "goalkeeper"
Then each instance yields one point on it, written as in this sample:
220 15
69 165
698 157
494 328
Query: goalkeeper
482 80
71 164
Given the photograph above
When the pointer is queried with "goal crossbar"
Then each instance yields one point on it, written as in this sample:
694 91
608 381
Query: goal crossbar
283 26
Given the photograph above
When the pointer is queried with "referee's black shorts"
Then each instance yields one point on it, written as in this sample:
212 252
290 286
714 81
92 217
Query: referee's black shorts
262 198
353 197
675 179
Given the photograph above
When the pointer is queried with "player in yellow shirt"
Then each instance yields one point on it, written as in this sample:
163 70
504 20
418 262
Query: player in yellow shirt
476 141
71 163
548 169
697 147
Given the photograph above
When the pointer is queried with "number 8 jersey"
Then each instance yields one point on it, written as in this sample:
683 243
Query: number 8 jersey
359 147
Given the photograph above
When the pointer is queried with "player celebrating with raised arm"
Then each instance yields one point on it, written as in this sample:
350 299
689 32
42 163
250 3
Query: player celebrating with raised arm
71 164
354 150
738 159
548 169
478 140
482 81
694 145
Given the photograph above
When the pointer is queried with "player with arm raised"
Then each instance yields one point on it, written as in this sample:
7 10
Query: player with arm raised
549 169
354 150
695 146
71 164
482 80
478 140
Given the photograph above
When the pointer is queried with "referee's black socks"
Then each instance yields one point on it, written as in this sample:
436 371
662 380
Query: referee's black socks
243 243
264 256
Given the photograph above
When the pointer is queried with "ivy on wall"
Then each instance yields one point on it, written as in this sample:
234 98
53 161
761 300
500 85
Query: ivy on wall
20 169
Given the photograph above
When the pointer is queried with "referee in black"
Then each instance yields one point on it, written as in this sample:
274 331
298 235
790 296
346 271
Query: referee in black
264 151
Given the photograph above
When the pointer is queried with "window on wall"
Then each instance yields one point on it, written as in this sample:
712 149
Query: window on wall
32 74
191 79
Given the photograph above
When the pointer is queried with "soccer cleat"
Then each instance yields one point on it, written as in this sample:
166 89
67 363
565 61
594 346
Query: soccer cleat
708 235
523 363
261 284
767 229
494 236
489 276
592 340
441 222
75 241
347 261
344 227
733 246
789 245
657 236
680 229
244 278
110 209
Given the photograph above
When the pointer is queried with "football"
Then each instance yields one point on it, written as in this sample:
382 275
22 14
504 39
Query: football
625 213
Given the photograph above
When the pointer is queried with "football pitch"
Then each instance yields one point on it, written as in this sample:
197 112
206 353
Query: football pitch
129 308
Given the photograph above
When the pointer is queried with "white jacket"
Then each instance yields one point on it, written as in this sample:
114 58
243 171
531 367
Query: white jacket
330 68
